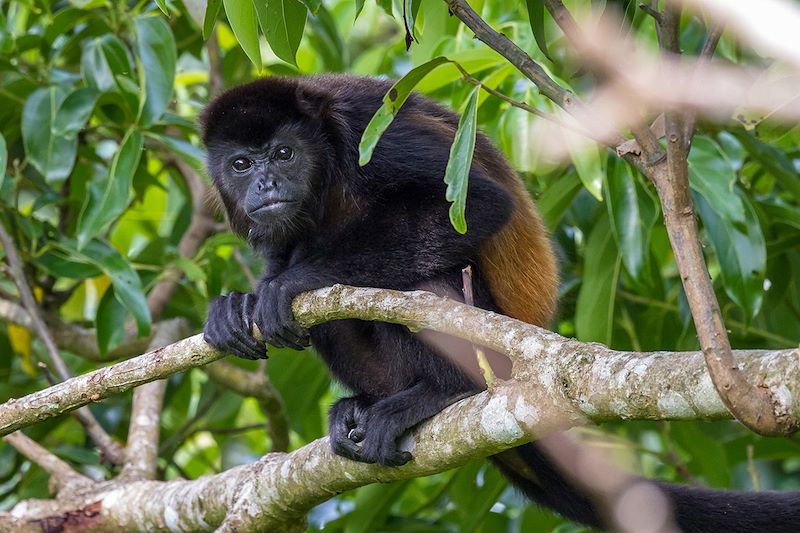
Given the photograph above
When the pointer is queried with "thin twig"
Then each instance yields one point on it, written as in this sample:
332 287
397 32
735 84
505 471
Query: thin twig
483 362
469 78
60 472
505 47
256 385
706 53
141 453
110 449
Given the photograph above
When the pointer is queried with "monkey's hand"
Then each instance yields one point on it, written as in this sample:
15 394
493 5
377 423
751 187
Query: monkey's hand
273 312
228 326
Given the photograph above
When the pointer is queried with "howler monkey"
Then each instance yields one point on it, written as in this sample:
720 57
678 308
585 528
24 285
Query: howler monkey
283 154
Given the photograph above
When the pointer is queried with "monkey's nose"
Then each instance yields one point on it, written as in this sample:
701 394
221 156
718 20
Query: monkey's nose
269 183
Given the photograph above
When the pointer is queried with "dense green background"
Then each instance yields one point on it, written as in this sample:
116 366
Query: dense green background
85 84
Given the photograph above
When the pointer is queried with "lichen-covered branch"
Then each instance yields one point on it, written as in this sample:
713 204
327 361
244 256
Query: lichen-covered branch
556 383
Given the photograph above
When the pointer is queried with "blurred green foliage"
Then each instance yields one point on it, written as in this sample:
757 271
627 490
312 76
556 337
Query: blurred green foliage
98 98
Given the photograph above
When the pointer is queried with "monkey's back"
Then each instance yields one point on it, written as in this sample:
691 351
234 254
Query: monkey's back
518 262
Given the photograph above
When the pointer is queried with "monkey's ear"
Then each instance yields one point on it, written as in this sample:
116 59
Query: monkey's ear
312 103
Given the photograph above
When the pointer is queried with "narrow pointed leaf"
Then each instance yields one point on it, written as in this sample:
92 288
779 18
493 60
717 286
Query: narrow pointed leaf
456 176
157 51
109 198
536 17
210 18
392 103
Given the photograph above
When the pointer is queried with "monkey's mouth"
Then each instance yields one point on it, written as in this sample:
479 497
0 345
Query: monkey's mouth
269 206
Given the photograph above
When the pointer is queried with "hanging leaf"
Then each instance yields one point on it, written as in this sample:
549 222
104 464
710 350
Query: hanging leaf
109 322
456 176
282 22
52 155
633 214
127 285
392 103
103 60
244 23
536 18
741 252
712 175
157 51
109 198
210 18
594 312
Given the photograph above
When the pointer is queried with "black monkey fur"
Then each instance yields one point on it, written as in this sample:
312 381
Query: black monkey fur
283 154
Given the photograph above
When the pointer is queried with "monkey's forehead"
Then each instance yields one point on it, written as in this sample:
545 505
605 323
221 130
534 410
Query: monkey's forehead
252 113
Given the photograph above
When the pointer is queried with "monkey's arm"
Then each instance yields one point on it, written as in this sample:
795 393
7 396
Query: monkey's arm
404 240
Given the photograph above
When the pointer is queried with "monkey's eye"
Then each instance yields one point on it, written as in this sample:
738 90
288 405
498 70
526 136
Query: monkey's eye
242 164
284 153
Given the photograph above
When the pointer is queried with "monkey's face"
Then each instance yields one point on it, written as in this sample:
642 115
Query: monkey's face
271 183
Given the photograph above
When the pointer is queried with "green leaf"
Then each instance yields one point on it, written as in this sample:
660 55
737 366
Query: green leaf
312 5
588 163
774 160
712 175
410 10
127 285
108 199
557 198
392 103
210 18
74 112
157 51
282 22
244 23
594 312
109 322
359 8
741 252
633 213
3 159
456 176
536 17
104 59
162 5
52 155
188 152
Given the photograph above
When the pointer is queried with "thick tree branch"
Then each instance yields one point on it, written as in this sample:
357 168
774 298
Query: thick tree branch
542 357
557 383
110 448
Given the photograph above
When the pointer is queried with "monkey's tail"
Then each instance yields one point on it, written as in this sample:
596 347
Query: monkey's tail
695 509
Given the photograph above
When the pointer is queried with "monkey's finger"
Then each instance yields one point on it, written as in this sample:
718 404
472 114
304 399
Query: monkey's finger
249 348
349 449
290 338
301 334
